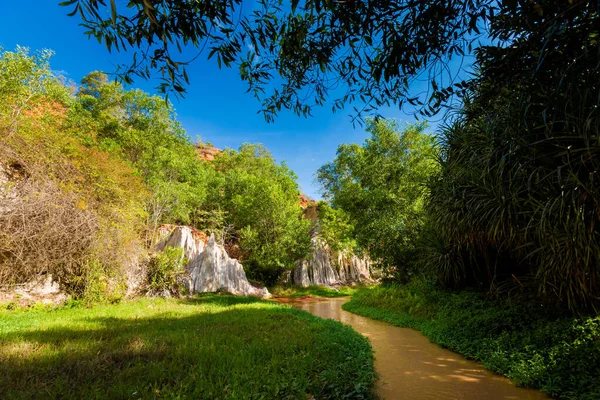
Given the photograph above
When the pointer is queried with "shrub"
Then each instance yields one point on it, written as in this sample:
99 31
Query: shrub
166 272
67 209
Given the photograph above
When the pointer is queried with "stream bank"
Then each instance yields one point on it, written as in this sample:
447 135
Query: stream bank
411 367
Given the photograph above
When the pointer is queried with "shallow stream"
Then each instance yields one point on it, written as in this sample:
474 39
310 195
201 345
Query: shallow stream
411 367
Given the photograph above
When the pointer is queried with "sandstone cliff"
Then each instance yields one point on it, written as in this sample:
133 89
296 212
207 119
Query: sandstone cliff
207 152
209 267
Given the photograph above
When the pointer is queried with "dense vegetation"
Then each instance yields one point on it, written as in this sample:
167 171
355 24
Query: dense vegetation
89 173
515 203
505 209
334 226
67 209
531 344
299 55
381 188
211 347
259 199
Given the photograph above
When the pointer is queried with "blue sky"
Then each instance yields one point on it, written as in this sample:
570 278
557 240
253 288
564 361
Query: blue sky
215 109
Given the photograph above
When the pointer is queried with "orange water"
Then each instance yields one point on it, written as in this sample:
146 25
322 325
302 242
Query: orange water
411 367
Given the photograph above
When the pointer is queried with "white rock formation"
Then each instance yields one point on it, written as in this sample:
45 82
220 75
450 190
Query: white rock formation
41 289
183 237
327 268
209 266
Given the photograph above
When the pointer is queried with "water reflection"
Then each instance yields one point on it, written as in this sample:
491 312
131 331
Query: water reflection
410 367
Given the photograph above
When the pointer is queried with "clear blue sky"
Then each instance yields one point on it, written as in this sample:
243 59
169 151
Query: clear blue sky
216 109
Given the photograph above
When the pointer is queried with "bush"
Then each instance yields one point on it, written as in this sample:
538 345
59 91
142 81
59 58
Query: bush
166 272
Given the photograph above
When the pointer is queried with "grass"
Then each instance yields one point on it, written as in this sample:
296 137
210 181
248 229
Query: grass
312 291
210 347
547 350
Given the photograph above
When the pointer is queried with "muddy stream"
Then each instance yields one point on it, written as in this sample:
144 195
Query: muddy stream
411 367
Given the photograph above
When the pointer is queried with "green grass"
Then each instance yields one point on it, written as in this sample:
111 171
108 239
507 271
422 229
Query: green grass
313 291
535 347
210 347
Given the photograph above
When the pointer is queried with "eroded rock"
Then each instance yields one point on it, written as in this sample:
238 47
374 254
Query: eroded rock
209 266
43 290
325 267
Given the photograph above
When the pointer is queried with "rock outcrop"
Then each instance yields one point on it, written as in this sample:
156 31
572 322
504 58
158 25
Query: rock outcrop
305 201
207 152
42 289
328 268
209 266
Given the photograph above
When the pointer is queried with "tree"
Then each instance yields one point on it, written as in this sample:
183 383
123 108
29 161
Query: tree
520 162
335 228
143 129
381 186
260 199
515 205
306 50
318 52
24 79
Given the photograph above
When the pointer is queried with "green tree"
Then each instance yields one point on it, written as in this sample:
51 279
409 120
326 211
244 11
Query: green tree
515 206
302 54
143 129
24 79
69 210
335 228
260 198
320 52
381 185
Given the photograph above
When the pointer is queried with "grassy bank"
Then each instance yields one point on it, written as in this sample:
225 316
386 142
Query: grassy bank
211 347
312 291
532 346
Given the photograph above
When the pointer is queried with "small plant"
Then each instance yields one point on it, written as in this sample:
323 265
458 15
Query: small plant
165 272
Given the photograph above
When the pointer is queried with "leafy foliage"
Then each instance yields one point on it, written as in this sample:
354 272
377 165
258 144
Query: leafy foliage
25 79
67 209
241 196
516 202
260 198
143 129
381 186
306 54
81 213
335 228
165 271
534 346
